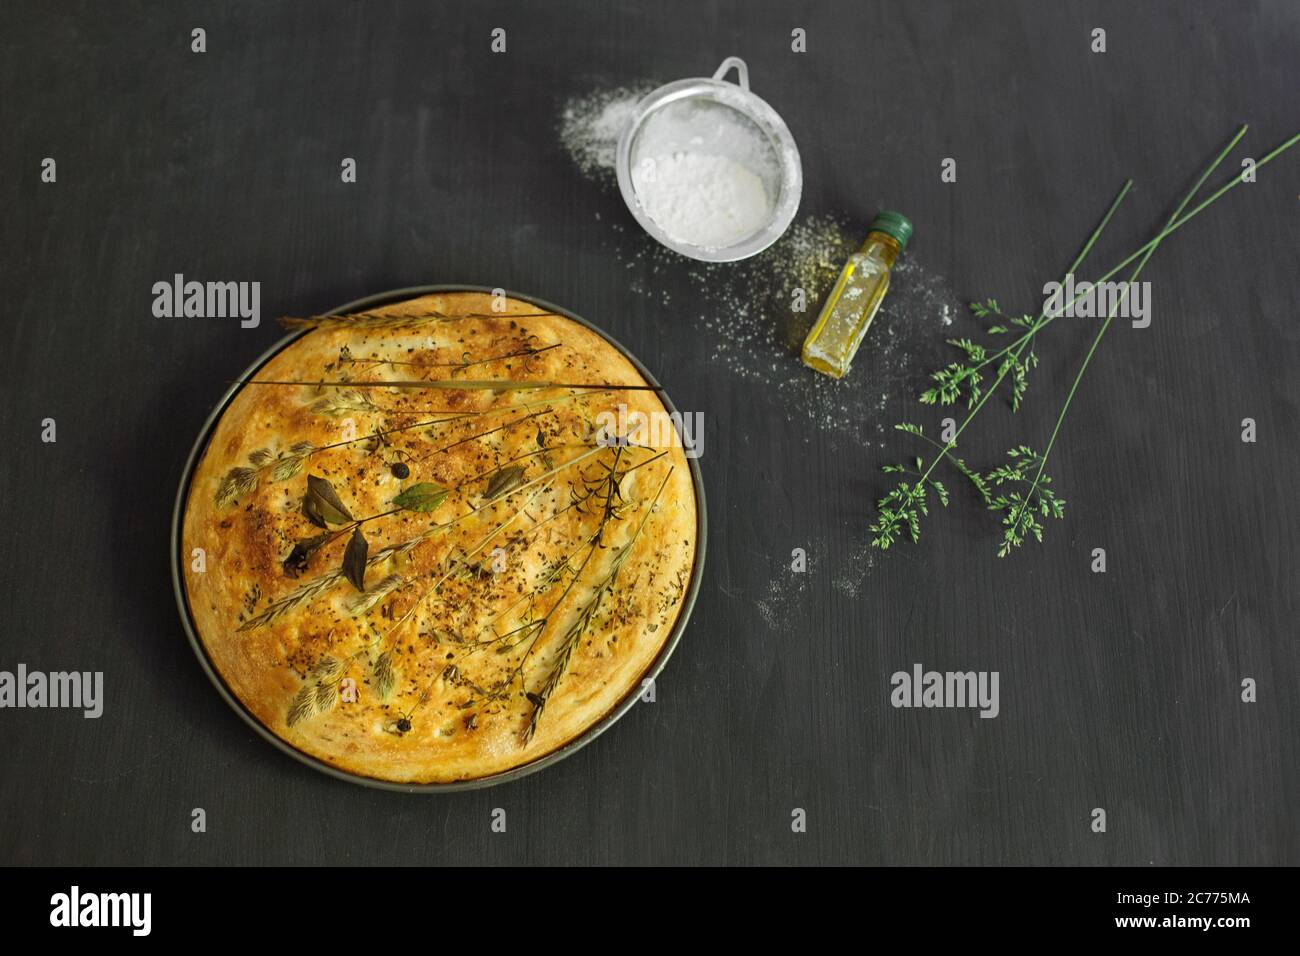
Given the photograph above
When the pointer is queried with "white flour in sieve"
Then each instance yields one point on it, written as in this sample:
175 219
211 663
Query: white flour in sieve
705 200
703 171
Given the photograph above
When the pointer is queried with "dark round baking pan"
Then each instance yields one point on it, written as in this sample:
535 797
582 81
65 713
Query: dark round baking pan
179 561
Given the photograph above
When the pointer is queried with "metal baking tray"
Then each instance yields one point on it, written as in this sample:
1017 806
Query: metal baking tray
179 561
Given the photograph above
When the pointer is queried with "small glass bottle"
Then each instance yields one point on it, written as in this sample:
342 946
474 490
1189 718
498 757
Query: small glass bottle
853 303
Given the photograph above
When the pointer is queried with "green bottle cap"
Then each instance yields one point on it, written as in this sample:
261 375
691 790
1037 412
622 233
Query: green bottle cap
894 225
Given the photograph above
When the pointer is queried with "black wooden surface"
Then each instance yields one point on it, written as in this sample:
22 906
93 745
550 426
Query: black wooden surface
1118 690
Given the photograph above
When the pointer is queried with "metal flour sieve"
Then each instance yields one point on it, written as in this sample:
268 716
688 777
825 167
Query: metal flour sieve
692 115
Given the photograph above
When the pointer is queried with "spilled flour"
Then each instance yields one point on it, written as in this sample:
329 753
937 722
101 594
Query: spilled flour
852 573
590 126
756 313
784 595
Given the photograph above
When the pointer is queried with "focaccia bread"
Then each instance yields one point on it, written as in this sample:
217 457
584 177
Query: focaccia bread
524 549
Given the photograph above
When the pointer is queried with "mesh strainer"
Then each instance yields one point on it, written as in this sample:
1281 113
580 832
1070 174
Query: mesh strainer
709 115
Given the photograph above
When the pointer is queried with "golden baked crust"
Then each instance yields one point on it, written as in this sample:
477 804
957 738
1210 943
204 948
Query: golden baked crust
497 626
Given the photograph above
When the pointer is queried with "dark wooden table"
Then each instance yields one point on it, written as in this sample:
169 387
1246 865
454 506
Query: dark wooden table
1119 690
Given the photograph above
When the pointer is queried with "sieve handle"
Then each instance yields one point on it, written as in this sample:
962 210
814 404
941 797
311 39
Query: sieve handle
739 65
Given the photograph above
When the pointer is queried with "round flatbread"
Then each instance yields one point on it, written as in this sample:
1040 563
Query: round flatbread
441 539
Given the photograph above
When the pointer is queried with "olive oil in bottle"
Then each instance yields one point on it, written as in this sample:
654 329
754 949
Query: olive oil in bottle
852 304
